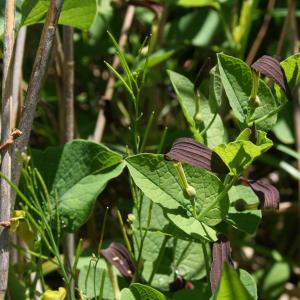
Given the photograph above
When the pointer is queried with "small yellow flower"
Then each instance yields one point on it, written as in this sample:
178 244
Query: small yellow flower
55 295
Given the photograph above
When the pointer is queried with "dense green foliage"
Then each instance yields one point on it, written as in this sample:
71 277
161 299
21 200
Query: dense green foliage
169 201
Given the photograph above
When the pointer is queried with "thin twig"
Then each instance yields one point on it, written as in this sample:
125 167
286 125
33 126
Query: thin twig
262 32
283 33
17 73
58 58
35 84
109 91
5 193
69 81
10 140
296 102
68 88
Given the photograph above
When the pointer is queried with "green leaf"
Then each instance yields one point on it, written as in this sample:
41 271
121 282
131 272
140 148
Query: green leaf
158 180
144 292
131 81
247 220
274 279
230 286
284 127
198 3
291 67
237 81
126 294
155 59
75 13
215 88
248 282
267 104
183 256
239 155
75 175
184 90
193 227
215 134
200 291
197 28
90 277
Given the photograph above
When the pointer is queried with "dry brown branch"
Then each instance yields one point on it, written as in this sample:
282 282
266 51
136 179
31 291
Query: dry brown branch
68 82
36 80
283 33
14 135
262 32
6 153
109 91
296 94
17 73
68 89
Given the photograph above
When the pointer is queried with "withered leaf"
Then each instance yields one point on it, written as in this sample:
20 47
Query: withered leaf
196 154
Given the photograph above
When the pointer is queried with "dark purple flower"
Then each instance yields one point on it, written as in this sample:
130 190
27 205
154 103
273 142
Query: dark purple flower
196 154
271 68
268 194
221 252
117 255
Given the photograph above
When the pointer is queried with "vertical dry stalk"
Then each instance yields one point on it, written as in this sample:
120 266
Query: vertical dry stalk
283 33
17 73
295 41
35 84
5 193
58 55
109 91
261 33
68 88
69 81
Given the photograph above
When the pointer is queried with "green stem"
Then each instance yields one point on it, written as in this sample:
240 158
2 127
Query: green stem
228 183
188 189
159 258
269 115
102 285
162 140
114 281
202 133
143 237
102 230
128 245
197 116
147 130
206 261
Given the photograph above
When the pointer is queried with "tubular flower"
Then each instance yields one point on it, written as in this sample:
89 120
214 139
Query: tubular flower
268 194
189 151
221 252
117 255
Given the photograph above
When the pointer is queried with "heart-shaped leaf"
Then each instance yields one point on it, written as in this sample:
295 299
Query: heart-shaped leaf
157 178
75 174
